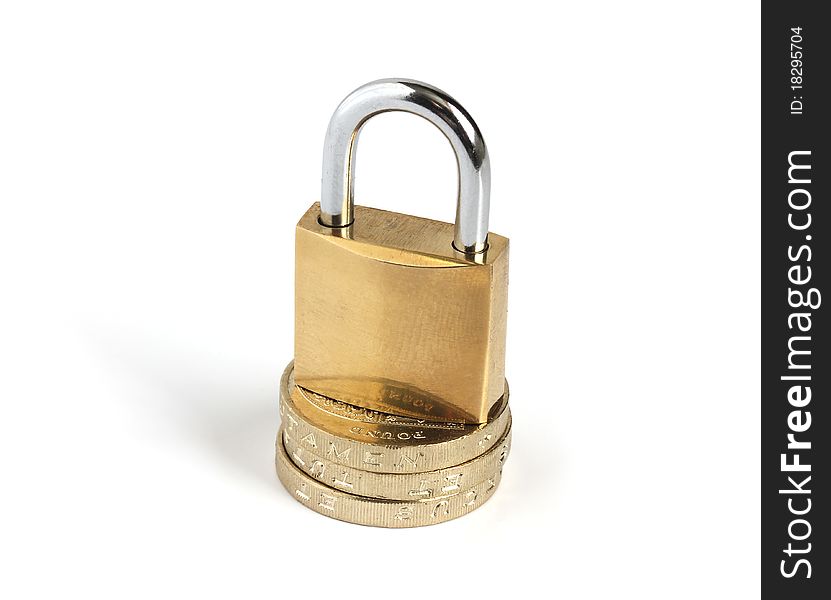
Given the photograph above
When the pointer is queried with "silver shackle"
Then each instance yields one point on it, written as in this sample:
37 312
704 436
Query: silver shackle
385 95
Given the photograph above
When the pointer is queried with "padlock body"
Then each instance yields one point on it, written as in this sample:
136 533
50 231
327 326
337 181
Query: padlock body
389 317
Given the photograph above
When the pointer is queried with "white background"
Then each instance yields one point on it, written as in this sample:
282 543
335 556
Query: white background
154 158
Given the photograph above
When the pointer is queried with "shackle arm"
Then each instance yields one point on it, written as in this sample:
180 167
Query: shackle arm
340 147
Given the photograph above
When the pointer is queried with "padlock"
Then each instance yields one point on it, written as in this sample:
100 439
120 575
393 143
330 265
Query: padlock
396 313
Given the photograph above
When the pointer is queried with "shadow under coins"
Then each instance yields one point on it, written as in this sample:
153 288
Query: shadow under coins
246 440
225 408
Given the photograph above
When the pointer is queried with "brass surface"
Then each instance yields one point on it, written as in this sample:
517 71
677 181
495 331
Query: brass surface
312 459
388 316
370 440
362 510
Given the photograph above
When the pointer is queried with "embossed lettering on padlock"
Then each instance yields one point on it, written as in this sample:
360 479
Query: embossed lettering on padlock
393 312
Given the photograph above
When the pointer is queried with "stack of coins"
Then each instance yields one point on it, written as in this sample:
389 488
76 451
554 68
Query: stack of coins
374 468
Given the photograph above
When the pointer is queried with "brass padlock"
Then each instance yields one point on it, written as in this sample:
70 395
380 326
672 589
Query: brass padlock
396 313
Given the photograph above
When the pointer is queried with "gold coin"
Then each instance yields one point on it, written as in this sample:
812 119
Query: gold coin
399 486
352 508
373 441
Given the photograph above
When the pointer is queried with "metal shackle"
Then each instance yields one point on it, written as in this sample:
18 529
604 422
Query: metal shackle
385 95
